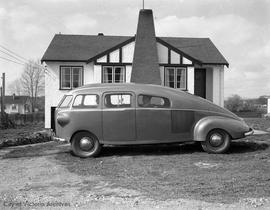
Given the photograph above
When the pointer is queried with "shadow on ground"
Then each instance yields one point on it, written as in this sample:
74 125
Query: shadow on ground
52 148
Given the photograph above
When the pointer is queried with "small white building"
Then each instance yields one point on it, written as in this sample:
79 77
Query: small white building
17 104
190 64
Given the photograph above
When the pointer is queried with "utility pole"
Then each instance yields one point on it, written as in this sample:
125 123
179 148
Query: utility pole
3 99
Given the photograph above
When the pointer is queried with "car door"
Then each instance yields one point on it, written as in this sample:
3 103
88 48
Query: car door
118 117
153 118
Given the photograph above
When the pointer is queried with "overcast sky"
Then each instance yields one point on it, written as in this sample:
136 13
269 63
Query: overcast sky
240 30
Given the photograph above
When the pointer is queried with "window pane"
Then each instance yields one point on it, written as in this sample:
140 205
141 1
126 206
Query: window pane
66 102
107 75
180 78
66 77
118 100
77 75
118 74
169 80
90 100
153 101
78 100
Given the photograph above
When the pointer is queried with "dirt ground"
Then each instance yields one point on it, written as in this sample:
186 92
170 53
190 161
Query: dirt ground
144 177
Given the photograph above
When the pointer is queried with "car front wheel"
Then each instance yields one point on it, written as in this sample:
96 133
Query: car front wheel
217 141
85 144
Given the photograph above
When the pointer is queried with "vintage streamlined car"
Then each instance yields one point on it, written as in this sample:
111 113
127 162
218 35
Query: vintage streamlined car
128 114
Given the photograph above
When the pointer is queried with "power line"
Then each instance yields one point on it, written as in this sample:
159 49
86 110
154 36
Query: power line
11 55
12 61
28 62
20 60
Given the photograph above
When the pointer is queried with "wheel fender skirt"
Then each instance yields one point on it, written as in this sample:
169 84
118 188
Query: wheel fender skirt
235 128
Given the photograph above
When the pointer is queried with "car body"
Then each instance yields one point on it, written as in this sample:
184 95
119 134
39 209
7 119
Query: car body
129 114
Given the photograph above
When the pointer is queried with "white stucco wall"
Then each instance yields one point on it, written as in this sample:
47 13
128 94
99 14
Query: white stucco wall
215 84
190 79
218 85
114 56
128 52
9 110
162 53
175 57
128 73
52 92
186 61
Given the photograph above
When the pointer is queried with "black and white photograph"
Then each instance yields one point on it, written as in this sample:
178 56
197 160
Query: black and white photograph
135 104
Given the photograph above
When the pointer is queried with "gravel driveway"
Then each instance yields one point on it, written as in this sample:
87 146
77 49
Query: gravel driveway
165 177
47 175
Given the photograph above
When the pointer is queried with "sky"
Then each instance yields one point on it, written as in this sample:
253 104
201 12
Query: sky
239 29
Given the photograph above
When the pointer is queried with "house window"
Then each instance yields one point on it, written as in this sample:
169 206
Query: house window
13 107
113 74
176 77
71 77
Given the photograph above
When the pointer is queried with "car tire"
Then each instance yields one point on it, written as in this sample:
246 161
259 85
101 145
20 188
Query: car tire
217 141
85 144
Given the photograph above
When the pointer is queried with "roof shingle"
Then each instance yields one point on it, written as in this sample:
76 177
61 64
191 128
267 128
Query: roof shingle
79 47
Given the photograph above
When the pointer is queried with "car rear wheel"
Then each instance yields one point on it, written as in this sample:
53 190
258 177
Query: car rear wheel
85 144
217 141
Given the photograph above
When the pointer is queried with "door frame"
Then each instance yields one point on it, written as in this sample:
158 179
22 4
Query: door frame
200 69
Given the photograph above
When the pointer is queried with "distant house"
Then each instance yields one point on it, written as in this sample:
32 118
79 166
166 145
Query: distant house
189 64
17 104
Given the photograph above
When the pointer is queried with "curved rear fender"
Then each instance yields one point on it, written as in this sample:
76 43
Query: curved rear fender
235 128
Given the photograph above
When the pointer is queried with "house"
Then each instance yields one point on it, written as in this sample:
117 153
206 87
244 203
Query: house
17 104
190 64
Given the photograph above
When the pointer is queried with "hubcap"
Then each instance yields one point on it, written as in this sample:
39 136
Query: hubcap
86 143
216 140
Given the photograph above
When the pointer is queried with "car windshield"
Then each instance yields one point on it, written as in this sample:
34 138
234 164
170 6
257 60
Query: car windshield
66 101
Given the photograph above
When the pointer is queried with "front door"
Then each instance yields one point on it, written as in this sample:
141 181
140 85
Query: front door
118 116
200 82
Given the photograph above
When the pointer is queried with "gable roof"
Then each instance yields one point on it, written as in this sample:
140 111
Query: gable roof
201 49
145 68
86 47
16 99
80 47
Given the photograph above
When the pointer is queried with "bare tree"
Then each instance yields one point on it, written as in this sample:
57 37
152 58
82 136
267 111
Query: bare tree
15 87
32 81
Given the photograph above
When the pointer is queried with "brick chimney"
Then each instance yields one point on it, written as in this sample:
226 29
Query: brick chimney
145 67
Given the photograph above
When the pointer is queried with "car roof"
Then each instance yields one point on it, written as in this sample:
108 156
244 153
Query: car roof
179 99
99 88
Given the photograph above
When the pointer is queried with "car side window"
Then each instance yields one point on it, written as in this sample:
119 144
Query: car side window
149 101
117 100
66 101
87 101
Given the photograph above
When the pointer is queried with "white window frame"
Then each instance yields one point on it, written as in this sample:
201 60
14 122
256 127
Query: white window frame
175 68
71 76
113 73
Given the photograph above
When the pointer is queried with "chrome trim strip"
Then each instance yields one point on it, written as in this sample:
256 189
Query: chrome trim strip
249 133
